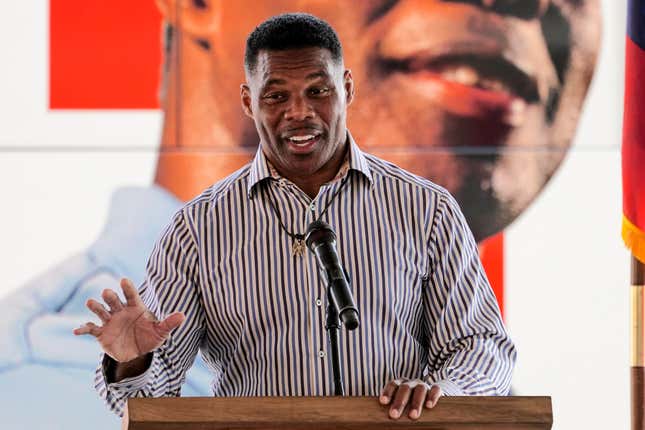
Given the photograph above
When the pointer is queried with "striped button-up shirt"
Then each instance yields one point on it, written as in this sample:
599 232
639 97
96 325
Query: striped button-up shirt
257 312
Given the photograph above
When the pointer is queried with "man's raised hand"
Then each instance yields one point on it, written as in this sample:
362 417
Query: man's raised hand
129 330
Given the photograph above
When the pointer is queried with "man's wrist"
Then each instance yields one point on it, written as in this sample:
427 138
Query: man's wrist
116 371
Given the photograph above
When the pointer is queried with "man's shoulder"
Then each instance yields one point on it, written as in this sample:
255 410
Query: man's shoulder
386 171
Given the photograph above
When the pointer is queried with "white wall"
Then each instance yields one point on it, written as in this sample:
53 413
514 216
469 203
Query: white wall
567 297
57 169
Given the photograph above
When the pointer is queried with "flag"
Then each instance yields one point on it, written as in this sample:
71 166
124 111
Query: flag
633 148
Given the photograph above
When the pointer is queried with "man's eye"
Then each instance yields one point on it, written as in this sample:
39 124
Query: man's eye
274 97
319 91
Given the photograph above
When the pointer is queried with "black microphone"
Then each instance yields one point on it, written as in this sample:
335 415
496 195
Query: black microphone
321 240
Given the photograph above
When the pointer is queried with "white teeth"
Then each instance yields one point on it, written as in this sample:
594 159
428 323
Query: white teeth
461 74
490 84
301 138
466 75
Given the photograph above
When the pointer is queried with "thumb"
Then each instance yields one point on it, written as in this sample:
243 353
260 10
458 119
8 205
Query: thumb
171 322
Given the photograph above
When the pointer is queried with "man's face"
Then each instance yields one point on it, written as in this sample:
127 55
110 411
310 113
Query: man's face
298 99
481 97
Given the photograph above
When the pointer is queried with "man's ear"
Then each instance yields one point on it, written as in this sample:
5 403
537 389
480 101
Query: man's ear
348 83
245 95
198 18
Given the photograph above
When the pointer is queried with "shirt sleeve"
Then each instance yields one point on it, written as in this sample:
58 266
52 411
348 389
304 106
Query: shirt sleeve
470 351
170 285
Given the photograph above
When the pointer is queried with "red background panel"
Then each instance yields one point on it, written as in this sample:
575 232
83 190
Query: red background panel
104 54
492 256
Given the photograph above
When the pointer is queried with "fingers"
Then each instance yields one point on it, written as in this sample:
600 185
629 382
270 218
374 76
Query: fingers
388 392
88 328
433 396
112 300
400 400
415 393
99 310
171 322
418 398
130 292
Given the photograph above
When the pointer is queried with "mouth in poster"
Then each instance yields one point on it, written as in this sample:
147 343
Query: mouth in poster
471 84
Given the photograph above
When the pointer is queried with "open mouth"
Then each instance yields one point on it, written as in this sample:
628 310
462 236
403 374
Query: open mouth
484 72
470 84
301 141
478 71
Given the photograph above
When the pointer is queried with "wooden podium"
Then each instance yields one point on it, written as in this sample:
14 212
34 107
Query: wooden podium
326 413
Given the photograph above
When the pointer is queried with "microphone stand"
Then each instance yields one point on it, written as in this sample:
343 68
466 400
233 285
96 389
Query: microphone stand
333 327
321 241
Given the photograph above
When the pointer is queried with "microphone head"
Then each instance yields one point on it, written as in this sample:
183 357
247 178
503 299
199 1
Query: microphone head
319 232
350 319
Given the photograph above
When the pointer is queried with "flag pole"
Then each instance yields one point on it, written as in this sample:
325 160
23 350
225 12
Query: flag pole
637 344
633 224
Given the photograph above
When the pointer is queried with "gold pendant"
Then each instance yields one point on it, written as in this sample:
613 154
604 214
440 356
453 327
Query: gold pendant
298 248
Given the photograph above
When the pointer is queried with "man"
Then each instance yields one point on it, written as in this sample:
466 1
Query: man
227 275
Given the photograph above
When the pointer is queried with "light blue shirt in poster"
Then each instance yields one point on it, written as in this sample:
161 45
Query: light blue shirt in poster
46 373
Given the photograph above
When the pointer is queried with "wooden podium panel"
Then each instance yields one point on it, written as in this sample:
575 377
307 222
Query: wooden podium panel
326 413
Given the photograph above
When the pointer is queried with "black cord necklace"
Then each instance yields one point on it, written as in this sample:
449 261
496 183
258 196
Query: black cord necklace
298 247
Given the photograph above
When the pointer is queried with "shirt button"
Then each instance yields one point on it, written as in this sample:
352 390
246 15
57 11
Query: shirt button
312 208
318 302
321 353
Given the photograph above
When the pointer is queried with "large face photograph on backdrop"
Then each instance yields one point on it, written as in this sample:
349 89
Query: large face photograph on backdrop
480 96
456 91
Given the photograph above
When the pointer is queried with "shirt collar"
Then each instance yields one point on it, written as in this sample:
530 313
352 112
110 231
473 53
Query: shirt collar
261 168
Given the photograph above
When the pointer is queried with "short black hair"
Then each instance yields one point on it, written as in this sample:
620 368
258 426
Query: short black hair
291 31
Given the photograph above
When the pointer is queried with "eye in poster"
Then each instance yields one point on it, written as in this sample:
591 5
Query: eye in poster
482 98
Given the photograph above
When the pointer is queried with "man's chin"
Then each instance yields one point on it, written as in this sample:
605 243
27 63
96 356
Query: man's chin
486 224
492 189
486 213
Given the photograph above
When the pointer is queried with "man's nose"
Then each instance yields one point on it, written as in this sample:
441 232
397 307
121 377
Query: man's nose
298 109
524 9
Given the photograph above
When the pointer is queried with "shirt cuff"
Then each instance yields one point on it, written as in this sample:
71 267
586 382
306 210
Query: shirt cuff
127 385
448 388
